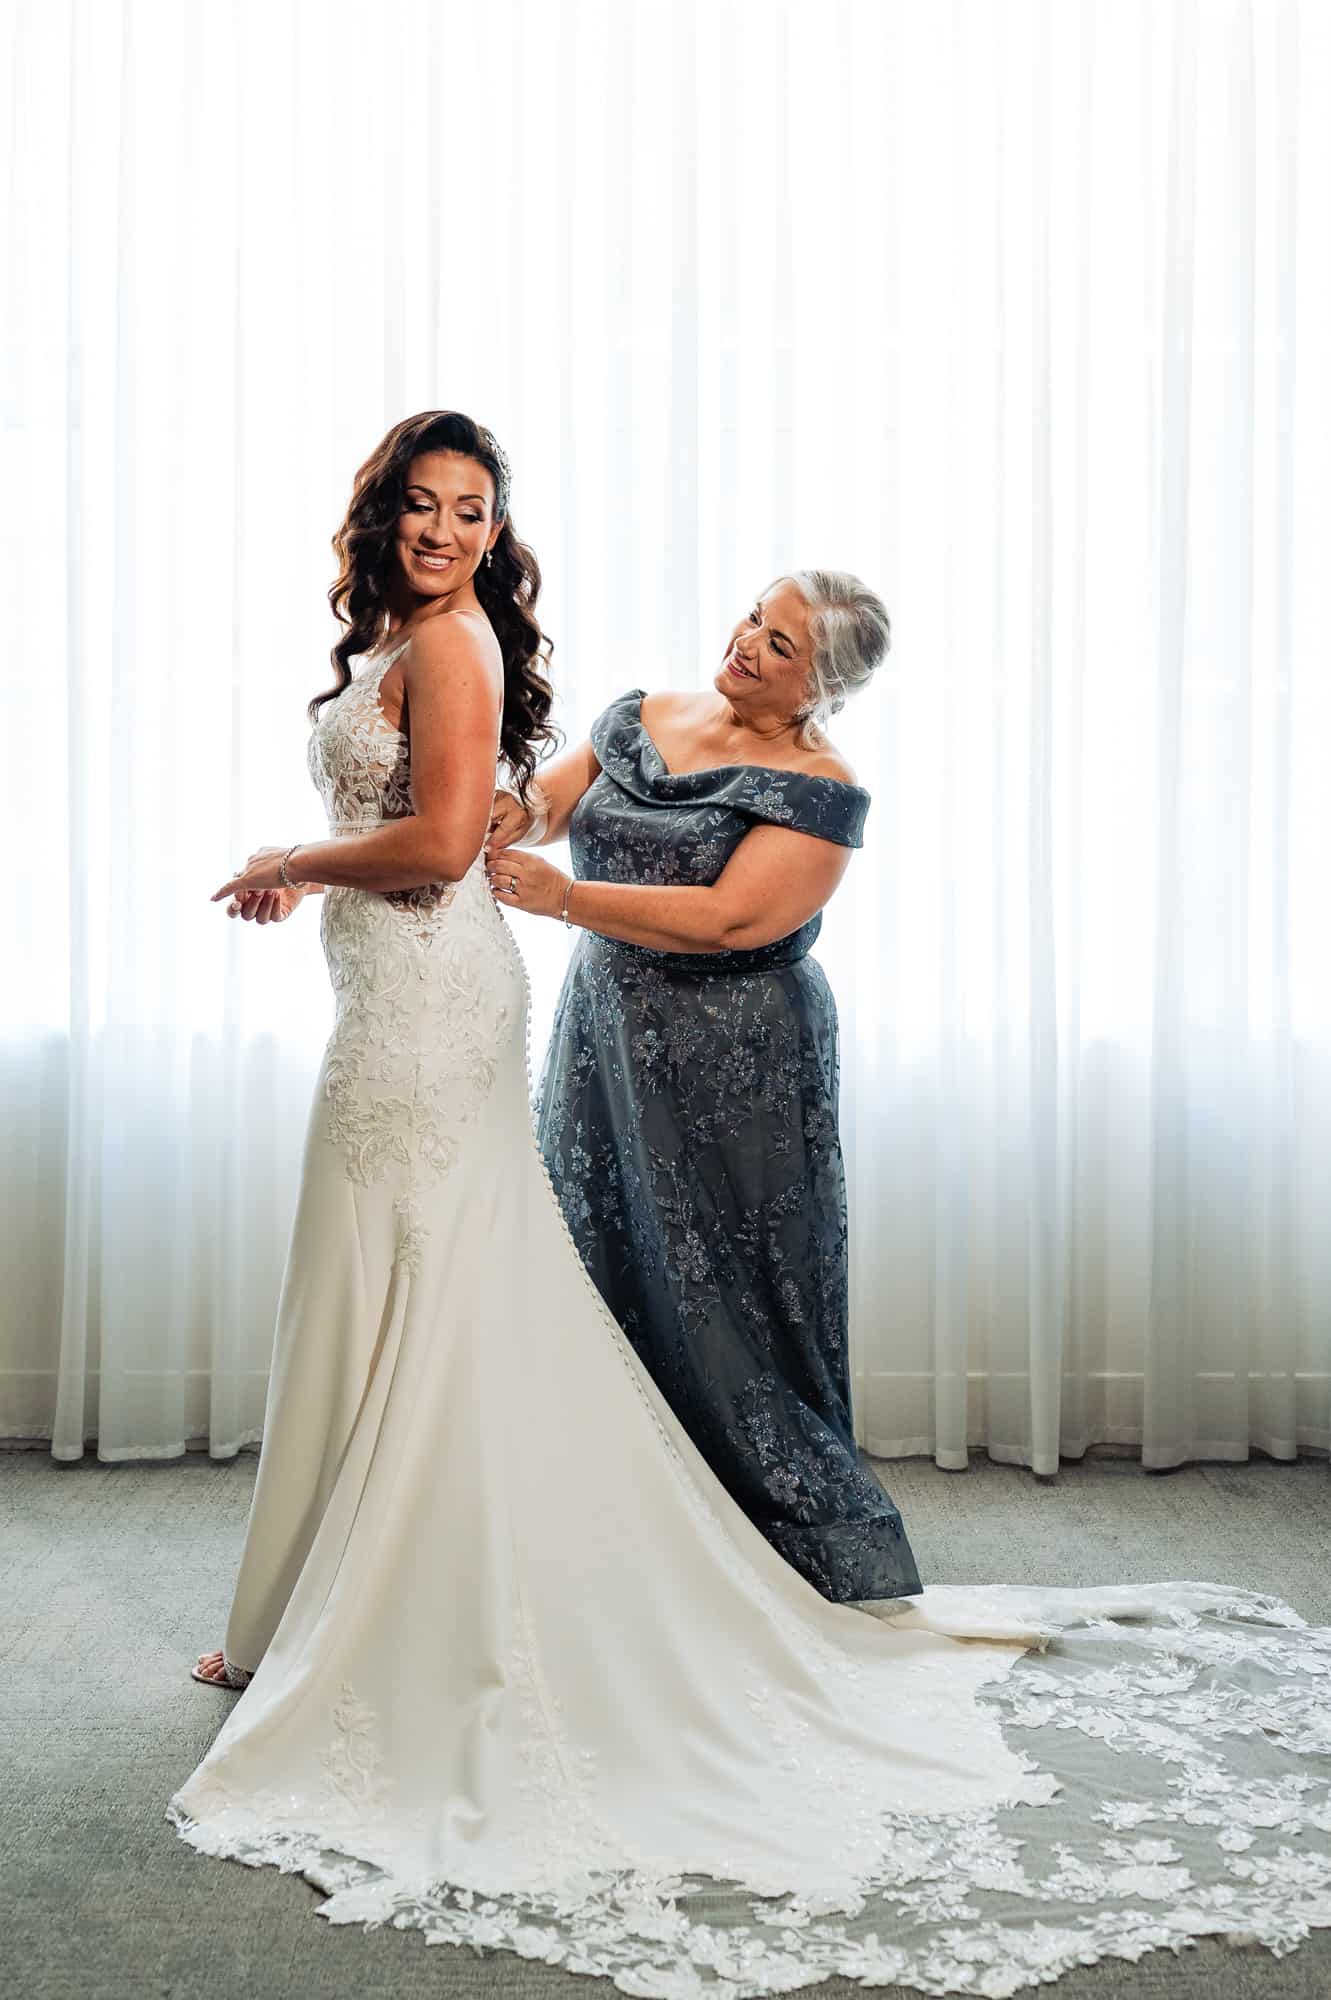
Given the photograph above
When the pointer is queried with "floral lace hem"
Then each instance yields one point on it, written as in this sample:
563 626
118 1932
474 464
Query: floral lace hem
1186 1793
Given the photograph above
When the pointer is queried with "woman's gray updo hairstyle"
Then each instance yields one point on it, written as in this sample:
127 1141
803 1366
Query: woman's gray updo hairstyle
851 634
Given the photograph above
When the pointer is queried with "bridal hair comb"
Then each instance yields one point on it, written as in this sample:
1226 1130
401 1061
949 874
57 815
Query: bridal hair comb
492 445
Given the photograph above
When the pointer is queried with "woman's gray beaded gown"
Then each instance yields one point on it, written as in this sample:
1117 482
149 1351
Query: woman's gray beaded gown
688 1118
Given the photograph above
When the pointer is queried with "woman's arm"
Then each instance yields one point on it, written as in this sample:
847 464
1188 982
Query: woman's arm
774 881
453 690
556 789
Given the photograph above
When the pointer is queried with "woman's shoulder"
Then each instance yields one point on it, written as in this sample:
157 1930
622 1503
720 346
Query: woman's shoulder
827 762
670 704
451 636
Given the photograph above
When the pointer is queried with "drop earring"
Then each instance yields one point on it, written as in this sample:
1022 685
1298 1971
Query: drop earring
489 557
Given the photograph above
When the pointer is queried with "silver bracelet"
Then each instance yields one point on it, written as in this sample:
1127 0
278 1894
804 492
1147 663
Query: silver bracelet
538 811
568 922
282 875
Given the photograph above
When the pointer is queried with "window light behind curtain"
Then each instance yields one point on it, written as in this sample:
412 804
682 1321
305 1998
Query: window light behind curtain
1022 312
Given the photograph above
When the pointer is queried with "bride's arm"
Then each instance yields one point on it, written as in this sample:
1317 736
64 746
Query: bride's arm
453 687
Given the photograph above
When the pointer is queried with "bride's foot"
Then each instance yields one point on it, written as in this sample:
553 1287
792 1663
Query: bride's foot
213 1671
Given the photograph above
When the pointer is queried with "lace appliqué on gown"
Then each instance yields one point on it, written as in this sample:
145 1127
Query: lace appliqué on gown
352 1758
406 1070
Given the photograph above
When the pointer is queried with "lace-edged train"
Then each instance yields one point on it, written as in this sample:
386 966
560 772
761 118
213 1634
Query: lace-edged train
1191 1748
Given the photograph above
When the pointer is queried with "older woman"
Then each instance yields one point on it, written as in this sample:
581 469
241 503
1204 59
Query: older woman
688 1112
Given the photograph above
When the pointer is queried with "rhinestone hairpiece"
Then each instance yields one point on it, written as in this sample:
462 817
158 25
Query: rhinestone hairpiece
505 469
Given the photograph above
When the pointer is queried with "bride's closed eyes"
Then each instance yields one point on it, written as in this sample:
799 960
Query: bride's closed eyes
417 506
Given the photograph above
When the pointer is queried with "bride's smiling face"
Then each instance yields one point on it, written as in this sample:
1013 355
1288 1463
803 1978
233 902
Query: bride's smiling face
447 523
768 660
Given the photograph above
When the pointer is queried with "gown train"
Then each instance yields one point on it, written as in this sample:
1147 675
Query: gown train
538 1682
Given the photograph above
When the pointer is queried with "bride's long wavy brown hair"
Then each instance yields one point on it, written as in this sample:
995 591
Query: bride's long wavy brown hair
507 586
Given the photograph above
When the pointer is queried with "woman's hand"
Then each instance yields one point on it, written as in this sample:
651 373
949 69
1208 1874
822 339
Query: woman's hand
510 821
268 906
258 874
522 881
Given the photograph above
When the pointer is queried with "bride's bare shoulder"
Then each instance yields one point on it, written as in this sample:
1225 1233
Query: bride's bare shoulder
451 638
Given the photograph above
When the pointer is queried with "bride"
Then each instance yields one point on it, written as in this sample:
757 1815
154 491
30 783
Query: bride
430 989
520 1673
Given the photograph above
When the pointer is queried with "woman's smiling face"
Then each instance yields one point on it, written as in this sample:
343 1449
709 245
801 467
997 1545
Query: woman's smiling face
767 663
447 523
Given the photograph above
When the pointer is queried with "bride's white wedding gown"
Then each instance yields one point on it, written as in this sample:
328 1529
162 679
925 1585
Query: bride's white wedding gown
536 1682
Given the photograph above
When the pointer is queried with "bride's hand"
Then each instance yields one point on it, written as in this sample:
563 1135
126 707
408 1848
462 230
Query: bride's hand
509 821
267 906
258 874
523 881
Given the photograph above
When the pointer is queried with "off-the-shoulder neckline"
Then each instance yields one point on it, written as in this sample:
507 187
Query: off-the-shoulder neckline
723 770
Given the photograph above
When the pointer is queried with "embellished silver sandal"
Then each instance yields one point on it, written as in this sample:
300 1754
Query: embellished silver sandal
230 1677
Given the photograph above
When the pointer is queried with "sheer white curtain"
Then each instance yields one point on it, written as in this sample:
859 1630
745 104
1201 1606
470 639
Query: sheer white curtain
1023 312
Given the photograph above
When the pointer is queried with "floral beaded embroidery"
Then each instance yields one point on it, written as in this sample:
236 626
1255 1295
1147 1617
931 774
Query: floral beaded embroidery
411 1058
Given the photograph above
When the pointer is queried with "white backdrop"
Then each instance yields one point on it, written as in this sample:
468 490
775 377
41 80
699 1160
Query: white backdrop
1023 312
